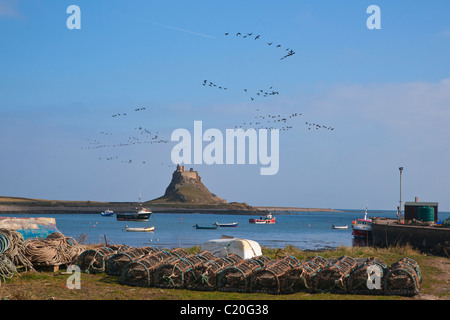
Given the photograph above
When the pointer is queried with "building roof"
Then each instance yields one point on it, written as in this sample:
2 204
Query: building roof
422 204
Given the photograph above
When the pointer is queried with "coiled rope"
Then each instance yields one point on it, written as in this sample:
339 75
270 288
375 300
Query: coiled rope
7 268
55 250
12 245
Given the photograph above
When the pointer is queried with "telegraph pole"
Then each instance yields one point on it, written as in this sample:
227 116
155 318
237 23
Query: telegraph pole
400 207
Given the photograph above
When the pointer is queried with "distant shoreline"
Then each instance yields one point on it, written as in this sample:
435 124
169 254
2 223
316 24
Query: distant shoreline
97 209
295 209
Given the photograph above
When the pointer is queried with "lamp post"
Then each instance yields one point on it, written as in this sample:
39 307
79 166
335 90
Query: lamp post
400 207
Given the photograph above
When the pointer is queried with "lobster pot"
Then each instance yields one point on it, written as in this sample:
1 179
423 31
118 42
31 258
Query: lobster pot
292 261
301 277
141 273
206 255
233 258
238 277
319 261
412 263
402 279
178 252
172 274
262 260
268 279
333 278
367 278
204 276
116 262
94 260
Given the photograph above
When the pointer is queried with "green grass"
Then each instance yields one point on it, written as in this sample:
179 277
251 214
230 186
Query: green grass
51 285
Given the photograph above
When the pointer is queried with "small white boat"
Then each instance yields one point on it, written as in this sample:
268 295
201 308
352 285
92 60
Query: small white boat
339 227
145 229
233 224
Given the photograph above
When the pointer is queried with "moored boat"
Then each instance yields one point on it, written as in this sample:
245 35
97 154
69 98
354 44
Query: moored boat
142 214
268 219
339 227
213 227
107 213
145 229
362 228
233 224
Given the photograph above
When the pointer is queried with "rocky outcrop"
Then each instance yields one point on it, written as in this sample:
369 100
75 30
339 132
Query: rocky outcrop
187 187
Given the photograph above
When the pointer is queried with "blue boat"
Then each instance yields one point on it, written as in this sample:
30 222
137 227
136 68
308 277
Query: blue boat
107 213
30 227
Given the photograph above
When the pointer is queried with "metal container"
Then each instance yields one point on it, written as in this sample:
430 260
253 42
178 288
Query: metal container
425 214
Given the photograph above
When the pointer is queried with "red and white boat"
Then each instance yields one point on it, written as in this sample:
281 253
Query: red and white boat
268 219
362 228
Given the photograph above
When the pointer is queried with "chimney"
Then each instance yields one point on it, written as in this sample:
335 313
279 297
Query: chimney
416 199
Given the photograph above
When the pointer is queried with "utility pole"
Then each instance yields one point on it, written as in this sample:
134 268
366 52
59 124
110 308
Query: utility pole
400 207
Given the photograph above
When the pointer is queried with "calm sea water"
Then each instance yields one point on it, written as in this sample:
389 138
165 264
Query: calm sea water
302 230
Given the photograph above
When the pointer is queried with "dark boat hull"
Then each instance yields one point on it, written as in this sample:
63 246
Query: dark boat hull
205 227
133 217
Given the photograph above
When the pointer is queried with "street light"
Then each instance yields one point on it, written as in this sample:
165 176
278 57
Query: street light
400 207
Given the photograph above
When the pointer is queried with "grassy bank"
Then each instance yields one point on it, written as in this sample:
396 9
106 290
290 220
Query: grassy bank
44 285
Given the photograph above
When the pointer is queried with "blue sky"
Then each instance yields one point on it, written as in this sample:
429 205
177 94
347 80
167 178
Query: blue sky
385 92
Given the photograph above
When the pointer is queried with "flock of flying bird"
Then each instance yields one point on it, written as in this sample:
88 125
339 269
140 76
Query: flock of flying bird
260 92
266 121
289 52
142 136
259 121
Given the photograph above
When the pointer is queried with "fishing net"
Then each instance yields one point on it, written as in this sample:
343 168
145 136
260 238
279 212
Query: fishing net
54 250
403 278
141 273
301 277
118 261
333 278
367 278
237 277
204 276
94 260
174 273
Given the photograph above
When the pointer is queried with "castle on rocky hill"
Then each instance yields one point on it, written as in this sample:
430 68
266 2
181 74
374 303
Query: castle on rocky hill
182 173
187 187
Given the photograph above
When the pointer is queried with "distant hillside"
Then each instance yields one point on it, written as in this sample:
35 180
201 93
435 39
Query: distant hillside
185 193
43 202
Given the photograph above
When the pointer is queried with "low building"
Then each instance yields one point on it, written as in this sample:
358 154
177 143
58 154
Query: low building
412 207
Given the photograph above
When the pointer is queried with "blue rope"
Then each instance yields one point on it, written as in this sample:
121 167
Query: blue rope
5 243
